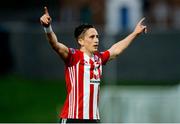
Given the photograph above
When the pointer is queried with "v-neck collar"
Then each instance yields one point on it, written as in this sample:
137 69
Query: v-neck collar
87 56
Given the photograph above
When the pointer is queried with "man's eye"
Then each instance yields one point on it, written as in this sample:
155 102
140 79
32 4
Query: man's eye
92 36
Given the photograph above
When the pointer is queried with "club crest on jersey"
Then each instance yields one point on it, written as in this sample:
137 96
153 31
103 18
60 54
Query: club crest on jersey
95 78
72 50
96 58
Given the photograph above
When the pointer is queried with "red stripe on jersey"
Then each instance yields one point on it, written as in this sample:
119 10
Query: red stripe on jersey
91 69
91 101
81 88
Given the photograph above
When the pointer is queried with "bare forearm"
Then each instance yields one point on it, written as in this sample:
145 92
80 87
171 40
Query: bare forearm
60 48
123 44
52 39
120 46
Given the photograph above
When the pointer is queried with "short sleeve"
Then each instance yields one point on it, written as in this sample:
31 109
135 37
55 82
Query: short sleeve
71 56
105 56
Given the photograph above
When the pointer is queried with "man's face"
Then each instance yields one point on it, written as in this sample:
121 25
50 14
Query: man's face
91 40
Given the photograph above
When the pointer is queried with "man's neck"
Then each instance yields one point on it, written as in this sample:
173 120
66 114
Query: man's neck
90 54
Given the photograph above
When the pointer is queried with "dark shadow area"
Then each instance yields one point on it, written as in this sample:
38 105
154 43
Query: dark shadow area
6 60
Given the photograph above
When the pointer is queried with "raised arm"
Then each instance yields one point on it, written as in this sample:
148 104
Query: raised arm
60 48
120 46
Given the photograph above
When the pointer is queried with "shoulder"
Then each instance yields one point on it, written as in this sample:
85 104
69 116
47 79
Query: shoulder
72 50
73 56
104 53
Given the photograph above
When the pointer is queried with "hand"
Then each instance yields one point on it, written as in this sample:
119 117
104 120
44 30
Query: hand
140 28
45 18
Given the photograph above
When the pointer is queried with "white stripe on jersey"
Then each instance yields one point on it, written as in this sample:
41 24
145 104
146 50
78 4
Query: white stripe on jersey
77 74
74 83
86 83
95 97
72 92
96 86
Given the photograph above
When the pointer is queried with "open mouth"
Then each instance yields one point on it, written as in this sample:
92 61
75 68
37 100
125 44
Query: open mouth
96 46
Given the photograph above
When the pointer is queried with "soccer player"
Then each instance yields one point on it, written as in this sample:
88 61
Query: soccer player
83 69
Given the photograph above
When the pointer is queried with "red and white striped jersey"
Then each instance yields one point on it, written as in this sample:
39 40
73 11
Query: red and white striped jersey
82 75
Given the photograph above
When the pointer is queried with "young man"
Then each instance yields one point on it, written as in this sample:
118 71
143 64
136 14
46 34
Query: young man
83 69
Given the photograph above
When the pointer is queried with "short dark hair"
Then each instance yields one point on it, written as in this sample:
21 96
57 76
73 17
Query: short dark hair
81 29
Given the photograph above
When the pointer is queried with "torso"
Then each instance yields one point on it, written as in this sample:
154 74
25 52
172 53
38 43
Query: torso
83 74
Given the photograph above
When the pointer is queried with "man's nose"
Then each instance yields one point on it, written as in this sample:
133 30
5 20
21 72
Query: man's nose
96 40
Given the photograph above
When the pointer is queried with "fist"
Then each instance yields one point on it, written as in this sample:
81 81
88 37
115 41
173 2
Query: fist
45 19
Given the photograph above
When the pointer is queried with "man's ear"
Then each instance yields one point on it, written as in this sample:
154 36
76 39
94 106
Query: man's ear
81 42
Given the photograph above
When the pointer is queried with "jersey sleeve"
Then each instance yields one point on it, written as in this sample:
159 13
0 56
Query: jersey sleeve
105 56
71 56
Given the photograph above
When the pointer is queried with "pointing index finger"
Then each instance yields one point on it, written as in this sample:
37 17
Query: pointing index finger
140 22
46 10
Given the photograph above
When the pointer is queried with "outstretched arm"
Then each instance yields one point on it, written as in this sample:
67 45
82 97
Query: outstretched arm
120 46
60 48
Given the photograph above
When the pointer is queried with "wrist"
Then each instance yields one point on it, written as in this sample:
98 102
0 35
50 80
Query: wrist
134 33
48 29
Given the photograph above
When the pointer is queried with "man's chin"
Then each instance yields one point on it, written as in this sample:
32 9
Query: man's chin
95 50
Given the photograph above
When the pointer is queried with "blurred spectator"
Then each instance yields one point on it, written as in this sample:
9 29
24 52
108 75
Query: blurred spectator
68 12
176 18
160 10
98 10
82 11
175 14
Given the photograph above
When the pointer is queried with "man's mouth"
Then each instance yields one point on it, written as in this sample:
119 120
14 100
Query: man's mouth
96 46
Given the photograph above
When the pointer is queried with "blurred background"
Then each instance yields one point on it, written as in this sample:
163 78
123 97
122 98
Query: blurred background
142 85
